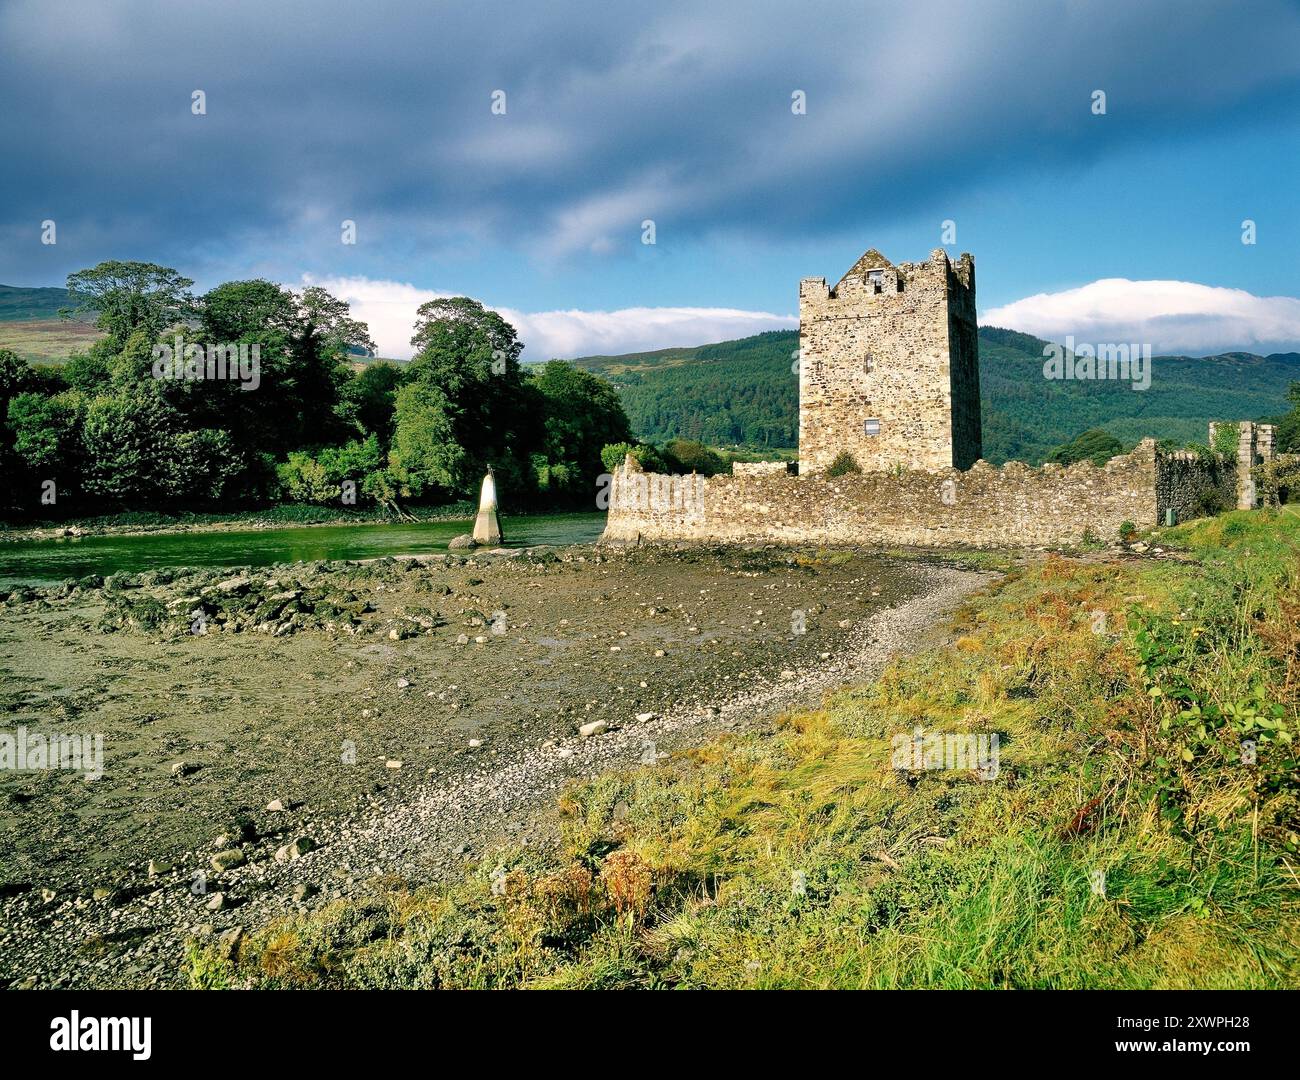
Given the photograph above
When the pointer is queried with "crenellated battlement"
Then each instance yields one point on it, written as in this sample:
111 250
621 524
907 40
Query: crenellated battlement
874 279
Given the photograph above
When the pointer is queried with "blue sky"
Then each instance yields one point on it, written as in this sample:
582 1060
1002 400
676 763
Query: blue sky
680 113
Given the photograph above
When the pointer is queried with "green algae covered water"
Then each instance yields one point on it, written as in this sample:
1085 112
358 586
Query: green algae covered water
46 562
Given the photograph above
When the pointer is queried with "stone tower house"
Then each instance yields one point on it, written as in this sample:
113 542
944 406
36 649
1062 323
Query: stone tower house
889 366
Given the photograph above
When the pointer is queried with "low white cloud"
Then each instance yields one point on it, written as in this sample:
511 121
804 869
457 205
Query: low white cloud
389 307
1174 317
571 333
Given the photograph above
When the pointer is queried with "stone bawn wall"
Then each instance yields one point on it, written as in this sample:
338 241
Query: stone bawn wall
1014 505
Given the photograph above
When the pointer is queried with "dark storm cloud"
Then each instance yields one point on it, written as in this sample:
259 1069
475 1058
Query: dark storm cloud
678 112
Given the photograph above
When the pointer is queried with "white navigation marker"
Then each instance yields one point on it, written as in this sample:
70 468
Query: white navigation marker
487 526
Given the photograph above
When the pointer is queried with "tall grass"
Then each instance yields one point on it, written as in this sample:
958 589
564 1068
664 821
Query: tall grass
1120 844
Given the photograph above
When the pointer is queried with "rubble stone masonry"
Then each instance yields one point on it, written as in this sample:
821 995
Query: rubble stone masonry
1009 506
889 366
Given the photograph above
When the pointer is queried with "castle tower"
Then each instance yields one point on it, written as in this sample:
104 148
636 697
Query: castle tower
889 366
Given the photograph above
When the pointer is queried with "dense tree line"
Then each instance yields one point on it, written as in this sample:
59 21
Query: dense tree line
150 417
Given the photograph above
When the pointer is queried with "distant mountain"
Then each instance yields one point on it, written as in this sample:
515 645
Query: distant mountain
745 393
19 303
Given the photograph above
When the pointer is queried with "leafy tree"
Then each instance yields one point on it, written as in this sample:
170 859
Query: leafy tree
382 487
14 374
645 454
1096 445
137 452
689 455
302 342
319 478
90 371
328 319
426 460
129 296
306 480
202 466
14 377
467 387
309 380
371 397
127 440
465 321
133 365
46 437
613 455
266 419
242 310
582 414
310 387
45 379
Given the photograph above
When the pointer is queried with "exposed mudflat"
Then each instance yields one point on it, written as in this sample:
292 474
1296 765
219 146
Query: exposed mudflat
408 715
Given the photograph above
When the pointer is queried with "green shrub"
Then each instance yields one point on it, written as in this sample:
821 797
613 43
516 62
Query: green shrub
318 477
1210 502
843 464
647 456
687 455
613 455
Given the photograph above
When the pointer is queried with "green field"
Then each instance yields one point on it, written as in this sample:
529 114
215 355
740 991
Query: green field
30 325
46 341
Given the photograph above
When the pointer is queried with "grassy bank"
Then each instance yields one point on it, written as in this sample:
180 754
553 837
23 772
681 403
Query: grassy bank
1127 839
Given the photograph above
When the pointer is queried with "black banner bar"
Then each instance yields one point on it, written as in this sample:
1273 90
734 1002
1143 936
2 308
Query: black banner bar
145 1029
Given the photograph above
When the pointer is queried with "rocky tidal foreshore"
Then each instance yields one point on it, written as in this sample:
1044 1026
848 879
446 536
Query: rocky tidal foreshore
315 727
